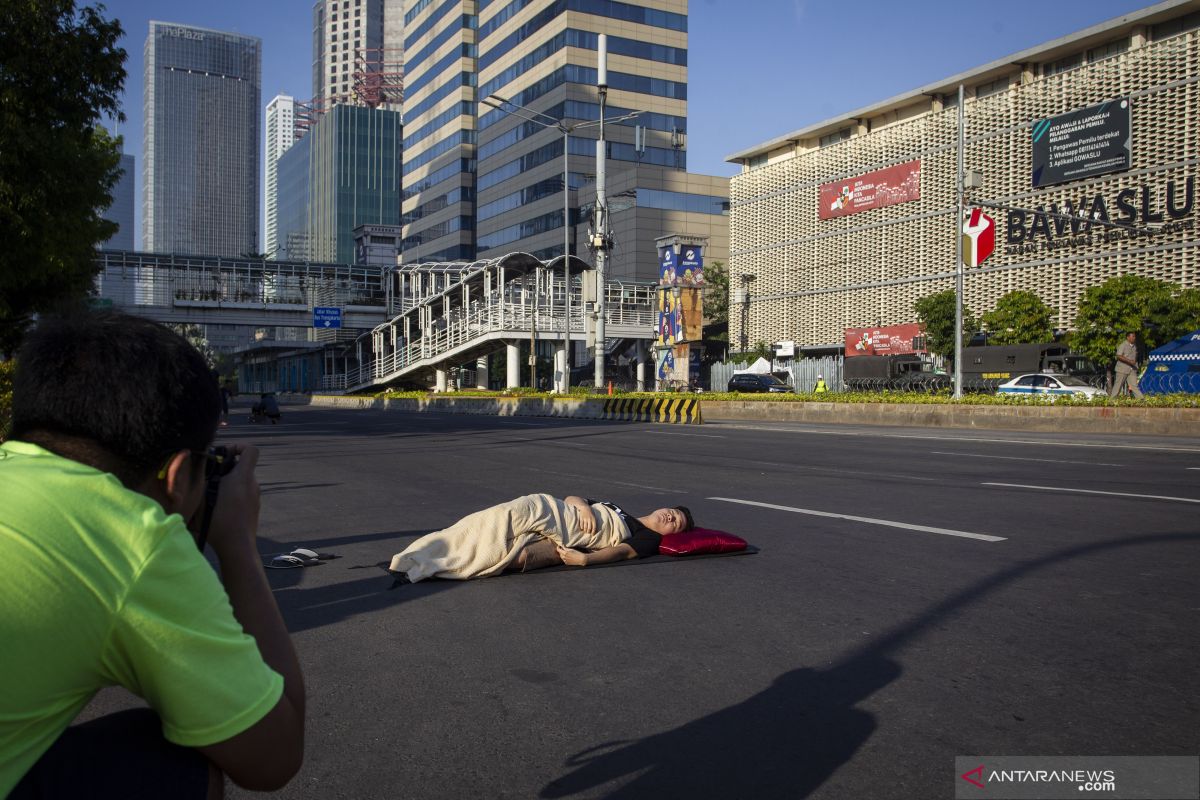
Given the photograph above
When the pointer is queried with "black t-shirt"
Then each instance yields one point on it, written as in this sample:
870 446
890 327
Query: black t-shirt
643 540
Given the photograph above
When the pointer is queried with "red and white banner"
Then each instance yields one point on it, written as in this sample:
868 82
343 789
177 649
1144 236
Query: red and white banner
889 340
886 187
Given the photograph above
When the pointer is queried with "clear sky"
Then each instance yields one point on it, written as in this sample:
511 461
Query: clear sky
757 69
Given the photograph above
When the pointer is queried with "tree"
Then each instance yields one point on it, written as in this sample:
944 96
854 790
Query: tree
61 71
936 311
716 292
1019 318
1156 310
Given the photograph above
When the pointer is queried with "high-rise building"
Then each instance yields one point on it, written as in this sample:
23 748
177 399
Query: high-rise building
344 173
481 182
121 210
356 52
200 148
281 133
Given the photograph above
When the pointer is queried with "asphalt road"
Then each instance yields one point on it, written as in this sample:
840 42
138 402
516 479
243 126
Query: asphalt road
884 628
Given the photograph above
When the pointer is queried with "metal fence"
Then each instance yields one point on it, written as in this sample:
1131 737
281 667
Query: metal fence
803 373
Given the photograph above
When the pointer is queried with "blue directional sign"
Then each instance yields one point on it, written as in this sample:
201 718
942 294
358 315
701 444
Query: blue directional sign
324 317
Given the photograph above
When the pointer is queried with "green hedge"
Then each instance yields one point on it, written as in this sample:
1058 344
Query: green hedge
1180 400
7 368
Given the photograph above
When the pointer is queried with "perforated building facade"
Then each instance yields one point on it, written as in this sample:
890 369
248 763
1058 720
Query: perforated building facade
806 278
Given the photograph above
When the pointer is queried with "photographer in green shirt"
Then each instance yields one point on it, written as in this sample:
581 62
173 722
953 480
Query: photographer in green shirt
105 487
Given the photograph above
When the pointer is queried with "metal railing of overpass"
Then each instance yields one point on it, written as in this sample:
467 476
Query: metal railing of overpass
450 313
176 288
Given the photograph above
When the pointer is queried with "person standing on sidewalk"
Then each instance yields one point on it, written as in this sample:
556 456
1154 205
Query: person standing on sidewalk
1126 367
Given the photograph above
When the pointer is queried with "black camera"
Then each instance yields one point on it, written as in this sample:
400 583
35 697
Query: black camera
221 461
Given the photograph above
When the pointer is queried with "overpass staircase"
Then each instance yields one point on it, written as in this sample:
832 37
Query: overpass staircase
454 313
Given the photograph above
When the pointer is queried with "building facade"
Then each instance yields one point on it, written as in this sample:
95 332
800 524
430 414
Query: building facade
281 134
848 222
480 182
344 173
200 147
646 203
121 210
356 50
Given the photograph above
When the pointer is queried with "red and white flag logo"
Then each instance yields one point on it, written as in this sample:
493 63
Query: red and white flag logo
978 238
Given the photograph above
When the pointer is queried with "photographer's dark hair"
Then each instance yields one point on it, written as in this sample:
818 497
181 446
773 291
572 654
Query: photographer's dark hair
113 391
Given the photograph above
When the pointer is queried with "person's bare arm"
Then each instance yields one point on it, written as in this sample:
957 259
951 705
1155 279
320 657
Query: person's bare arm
265 756
587 517
579 558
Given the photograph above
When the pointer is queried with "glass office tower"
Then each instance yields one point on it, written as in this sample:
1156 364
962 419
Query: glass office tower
344 173
479 182
121 210
200 149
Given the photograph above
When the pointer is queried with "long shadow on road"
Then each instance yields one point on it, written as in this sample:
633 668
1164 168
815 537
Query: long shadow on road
786 741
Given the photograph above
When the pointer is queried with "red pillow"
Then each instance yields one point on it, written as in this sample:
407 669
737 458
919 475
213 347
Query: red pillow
698 541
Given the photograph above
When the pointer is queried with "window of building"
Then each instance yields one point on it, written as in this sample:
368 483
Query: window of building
1107 50
833 138
757 161
1063 64
1163 30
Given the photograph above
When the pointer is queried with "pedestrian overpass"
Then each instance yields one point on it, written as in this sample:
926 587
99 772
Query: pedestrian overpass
423 319
208 290
455 313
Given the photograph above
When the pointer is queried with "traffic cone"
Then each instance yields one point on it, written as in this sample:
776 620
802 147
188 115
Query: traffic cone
610 388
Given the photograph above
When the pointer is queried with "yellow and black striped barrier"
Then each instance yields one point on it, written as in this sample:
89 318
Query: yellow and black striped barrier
677 410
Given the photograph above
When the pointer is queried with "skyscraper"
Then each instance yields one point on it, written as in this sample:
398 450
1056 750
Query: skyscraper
200 149
281 133
121 210
479 181
356 48
344 173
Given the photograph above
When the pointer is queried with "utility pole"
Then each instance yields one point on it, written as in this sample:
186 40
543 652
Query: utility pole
958 238
600 239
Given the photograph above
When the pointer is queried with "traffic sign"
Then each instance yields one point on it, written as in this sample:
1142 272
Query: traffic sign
326 317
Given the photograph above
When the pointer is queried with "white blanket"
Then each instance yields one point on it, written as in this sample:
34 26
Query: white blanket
488 541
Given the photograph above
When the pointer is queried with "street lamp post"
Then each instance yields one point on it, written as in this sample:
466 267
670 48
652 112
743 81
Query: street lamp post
507 106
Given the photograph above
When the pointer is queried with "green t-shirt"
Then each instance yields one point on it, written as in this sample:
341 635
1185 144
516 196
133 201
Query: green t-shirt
100 587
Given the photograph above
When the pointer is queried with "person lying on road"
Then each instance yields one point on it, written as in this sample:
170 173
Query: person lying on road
533 532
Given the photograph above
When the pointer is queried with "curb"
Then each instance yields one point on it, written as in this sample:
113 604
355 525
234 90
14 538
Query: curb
690 410
1064 419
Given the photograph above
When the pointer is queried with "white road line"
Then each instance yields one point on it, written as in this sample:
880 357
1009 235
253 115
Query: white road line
889 523
1019 458
674 433
1094 491
873 434
1193 467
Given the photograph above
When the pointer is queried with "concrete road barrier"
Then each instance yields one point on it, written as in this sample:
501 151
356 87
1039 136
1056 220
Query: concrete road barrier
691 410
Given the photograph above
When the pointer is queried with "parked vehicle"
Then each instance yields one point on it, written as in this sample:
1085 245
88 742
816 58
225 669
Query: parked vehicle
987 367
1050 386
906 372
754 382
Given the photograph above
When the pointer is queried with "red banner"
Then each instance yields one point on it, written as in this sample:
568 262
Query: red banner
886 187
886 341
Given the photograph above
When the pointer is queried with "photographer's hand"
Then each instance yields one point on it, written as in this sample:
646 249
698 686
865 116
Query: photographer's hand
277 739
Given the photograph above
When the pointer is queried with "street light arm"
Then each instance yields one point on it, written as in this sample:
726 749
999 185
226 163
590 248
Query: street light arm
607 120
491 99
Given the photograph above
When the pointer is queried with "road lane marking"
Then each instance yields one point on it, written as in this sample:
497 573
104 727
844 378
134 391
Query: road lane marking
674 433
873 434
870 521
1094 491
1020 458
